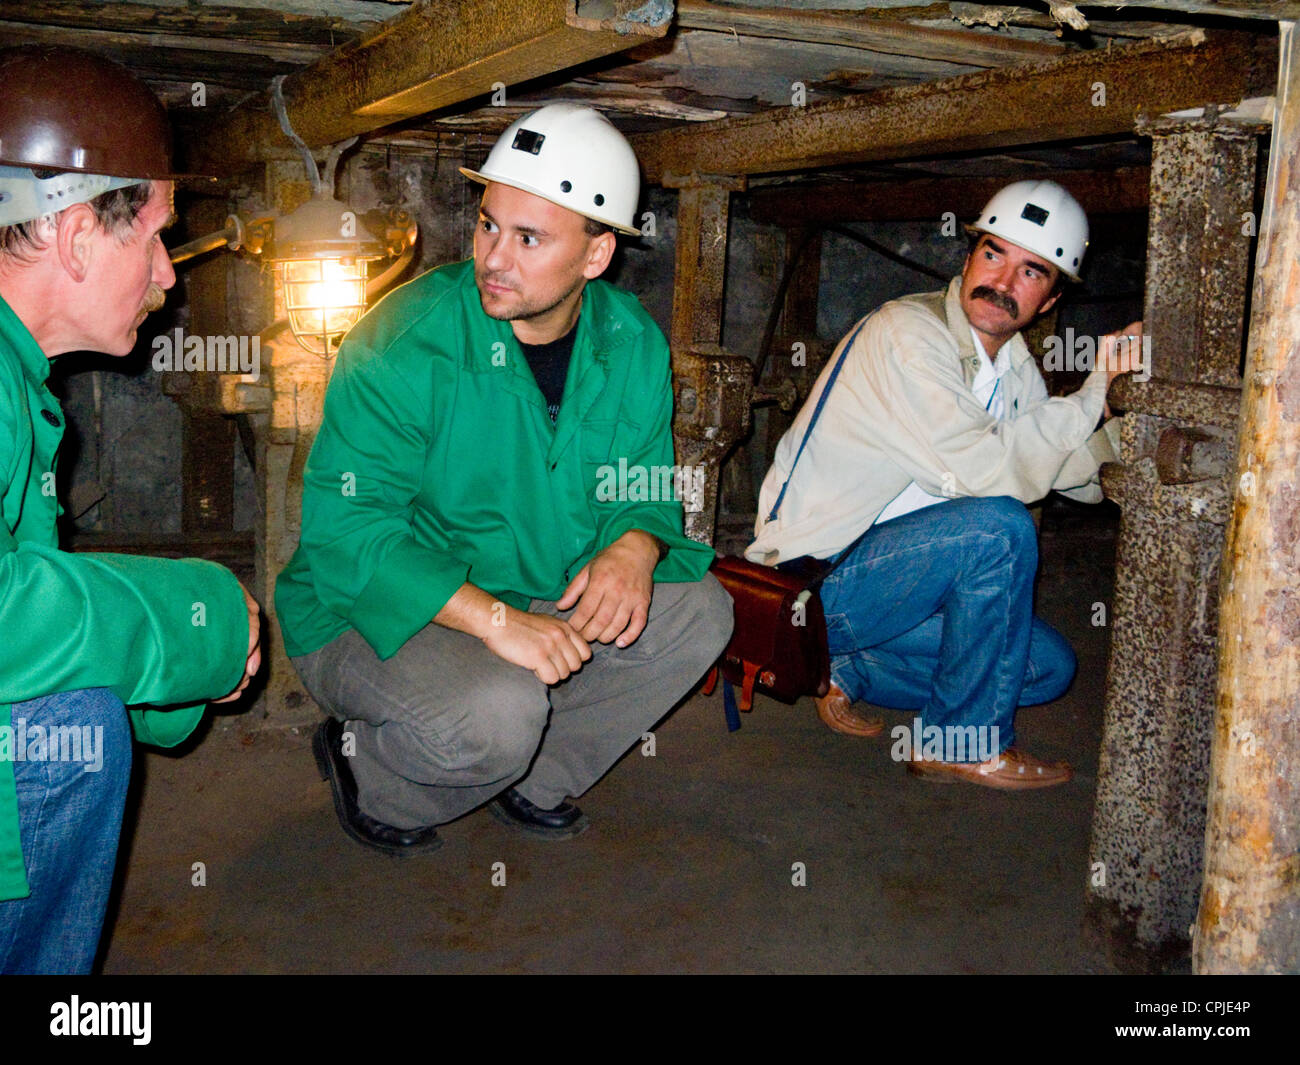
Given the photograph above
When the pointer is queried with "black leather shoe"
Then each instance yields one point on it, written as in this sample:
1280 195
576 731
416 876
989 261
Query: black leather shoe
327 746
562 822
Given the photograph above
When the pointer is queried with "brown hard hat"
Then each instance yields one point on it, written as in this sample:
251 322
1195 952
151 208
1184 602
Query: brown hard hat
66 109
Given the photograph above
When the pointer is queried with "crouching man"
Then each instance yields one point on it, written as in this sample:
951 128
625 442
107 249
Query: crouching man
479 621
936 430
84 195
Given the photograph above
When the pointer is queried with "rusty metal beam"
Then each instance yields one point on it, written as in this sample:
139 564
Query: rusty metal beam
862 30
1092 94
435 54
1099 192
1205 187
1184 400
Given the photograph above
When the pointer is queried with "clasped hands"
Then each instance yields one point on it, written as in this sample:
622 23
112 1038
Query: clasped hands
610 597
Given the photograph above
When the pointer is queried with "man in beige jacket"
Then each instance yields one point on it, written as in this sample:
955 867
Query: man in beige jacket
931 430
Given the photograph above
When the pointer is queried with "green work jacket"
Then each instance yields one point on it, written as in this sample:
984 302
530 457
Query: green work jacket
436 463
152 630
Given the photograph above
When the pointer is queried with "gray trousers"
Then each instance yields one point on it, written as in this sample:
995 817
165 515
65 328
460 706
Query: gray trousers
445 725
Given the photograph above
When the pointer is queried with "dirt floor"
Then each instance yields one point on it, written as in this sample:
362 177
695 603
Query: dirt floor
691 864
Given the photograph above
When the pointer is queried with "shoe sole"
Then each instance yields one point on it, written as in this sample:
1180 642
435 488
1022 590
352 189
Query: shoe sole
325 766
937 775
576 829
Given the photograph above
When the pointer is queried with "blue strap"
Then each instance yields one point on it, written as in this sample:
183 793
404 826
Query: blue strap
817 413
729 707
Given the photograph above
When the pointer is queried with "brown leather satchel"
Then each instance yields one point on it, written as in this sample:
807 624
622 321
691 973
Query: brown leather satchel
779 640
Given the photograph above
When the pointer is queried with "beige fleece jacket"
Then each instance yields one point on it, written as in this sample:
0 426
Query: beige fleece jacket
902 410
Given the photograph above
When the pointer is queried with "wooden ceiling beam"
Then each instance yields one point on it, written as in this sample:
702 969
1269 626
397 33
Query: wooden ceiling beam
1268 10
435 54
126 44
968 47
210 20
1084 95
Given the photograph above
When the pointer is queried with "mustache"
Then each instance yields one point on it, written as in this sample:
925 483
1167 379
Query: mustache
154 298
487 277
998 299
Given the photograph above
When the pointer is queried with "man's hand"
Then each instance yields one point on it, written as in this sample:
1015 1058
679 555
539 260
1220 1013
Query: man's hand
254 660
1121 352
613 590
546 645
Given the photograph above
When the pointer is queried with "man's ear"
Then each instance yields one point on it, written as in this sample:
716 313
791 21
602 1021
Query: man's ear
970 257
599 252
1050 302
74 239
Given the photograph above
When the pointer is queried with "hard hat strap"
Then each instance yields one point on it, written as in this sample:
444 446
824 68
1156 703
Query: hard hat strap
24 196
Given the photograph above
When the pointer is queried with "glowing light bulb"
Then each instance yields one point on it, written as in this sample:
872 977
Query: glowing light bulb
324 299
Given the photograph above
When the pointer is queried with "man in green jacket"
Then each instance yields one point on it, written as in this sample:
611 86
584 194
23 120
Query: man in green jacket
487 605
84 193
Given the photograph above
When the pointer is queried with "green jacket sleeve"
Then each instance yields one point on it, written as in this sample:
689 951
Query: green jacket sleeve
152 630
652 448
363 474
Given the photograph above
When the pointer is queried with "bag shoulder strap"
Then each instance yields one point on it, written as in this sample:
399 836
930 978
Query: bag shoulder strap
817 413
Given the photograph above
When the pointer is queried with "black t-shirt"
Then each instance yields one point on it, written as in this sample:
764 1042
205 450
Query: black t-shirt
550 366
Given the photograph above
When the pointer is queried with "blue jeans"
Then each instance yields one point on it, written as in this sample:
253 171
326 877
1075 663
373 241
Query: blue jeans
933 611
70 818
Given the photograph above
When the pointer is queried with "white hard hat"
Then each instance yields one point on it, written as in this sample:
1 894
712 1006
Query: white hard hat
1041 217
572 156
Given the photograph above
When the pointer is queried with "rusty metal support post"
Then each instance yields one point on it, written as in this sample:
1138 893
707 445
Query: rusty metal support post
1249 917
1173 488
699 281
713 390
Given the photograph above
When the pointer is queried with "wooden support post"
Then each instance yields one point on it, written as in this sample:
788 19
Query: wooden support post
1249 917
208 440
208 472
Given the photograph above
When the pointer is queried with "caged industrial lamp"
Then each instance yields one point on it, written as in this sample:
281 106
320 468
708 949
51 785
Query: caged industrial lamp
321 252
320 260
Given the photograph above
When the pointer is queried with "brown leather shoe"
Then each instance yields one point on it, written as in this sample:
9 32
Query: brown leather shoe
836 711
1012 770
